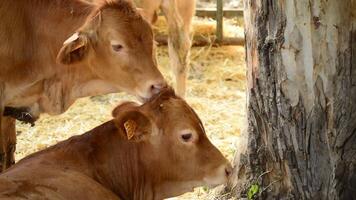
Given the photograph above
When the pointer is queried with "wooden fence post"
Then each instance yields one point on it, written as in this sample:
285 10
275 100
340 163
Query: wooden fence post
219 21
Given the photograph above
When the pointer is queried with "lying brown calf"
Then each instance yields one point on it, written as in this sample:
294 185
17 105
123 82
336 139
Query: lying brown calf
154 151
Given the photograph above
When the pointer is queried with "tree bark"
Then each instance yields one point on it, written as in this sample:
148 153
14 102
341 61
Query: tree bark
301 94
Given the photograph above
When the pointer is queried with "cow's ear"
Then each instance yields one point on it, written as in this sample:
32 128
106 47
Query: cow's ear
134 124
74 49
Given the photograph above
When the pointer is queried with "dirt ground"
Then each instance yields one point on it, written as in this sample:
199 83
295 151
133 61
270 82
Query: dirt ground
216 90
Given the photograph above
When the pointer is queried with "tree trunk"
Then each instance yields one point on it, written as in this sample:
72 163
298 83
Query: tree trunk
301 93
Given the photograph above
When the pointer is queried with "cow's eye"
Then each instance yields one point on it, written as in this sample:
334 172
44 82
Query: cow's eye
186 137
117 47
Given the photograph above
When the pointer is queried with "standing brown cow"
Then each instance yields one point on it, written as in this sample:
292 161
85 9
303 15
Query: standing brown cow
178 14
55 51
149 152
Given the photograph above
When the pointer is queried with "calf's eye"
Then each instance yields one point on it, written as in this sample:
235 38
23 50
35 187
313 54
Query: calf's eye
117 47
186 137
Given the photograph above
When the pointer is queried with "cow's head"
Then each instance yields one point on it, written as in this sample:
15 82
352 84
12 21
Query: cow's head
117 45
175 148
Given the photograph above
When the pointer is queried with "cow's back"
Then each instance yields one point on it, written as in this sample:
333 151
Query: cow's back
58 172
44 181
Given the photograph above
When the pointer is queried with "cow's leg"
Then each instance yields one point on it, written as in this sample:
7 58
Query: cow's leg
8 131
179 16
2 145
2 137
148 9
7 135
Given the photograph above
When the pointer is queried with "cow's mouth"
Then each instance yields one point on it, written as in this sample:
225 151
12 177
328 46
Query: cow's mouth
214 181
212 186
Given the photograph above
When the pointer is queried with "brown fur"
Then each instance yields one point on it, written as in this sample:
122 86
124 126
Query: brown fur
105 163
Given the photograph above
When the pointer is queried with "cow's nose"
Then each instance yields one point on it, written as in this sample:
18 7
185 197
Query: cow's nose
156 88
228 170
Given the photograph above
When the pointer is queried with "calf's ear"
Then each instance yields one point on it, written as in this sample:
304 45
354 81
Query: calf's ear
134 124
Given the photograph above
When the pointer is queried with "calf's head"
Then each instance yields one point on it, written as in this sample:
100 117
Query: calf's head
174 148
117 45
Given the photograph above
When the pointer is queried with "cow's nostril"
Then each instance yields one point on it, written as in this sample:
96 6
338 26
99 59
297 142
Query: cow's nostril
156 88
228 170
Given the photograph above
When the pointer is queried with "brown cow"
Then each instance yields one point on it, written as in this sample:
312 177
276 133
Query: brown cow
55 51
154 151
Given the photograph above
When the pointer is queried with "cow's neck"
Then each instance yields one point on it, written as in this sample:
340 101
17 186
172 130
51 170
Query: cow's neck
130 178
118 165
73 82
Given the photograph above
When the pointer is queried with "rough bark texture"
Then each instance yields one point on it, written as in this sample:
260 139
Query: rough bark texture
301 60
